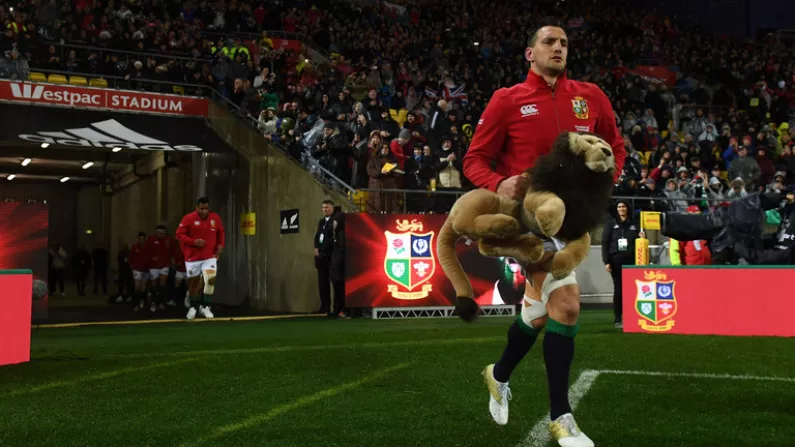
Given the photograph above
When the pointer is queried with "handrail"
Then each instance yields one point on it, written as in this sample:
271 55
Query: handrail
425 201
182 56
120 78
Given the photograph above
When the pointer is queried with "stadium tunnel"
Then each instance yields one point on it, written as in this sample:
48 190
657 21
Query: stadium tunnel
105 175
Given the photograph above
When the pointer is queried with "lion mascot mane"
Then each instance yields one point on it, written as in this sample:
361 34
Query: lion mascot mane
569 189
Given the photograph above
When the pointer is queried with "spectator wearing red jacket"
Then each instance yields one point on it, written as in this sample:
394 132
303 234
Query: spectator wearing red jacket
139 263
159 249
202 236
690 252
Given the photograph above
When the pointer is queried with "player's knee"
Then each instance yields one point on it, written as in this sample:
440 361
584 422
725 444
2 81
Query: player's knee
209 282
564 305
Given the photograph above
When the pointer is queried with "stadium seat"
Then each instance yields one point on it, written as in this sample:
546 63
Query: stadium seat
98 82
38 77
56 79
78 80
178 89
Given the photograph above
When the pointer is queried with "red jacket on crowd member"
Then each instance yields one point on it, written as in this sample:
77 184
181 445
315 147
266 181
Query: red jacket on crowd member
193 227
138 257
521 123
694 253
401 151
160 250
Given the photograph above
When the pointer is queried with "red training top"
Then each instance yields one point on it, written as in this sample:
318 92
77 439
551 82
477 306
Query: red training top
194 227
138 258
521 123
160 250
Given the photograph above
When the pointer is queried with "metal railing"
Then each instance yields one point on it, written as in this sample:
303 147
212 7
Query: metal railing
407 201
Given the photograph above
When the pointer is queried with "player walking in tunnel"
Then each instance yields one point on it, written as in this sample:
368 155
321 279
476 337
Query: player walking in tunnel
159 248
201 235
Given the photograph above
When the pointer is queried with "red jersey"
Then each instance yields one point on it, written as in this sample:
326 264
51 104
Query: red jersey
521 123
194 227
138 258
159 251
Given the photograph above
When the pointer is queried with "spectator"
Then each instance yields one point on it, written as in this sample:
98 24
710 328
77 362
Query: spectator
383 172
694 252
745 168
676 198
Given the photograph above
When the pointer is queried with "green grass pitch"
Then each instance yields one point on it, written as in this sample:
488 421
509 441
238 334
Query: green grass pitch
317 382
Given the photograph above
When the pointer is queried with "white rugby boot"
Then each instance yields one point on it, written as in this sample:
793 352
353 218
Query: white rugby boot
499 395
566 432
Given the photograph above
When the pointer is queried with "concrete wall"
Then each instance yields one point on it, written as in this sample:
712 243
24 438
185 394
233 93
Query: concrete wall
280 272
92 217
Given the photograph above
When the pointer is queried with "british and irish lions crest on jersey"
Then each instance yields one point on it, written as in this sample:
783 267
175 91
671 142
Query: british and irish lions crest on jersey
409 261
580 107
655 302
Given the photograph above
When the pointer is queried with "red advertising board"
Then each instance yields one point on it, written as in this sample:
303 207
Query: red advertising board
391 261
101 98
17 287
710 300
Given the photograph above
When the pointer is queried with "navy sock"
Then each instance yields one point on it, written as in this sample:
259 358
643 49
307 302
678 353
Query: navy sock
521 338
558 355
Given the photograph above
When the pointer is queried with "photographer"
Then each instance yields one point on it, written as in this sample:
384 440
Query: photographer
618 250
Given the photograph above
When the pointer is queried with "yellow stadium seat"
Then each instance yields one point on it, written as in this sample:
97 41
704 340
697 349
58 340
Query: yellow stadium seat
178 89
56 79
78 80
38 77
97 82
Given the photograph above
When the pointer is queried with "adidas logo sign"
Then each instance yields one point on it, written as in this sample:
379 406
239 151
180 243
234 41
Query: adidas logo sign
105 134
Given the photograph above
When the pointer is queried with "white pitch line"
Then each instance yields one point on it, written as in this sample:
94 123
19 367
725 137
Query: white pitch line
697 375
539 435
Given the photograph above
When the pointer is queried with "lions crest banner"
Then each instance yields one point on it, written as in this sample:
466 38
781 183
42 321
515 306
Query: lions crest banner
409 263
656 303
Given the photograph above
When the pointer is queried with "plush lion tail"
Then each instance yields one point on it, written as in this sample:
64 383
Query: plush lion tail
466 307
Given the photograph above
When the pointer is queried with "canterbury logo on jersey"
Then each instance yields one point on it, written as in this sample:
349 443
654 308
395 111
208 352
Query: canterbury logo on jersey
529 110
109 133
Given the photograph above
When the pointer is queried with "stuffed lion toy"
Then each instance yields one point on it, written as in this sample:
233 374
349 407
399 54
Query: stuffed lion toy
569 189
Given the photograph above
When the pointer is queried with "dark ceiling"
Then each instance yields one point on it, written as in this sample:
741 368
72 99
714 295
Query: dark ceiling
55 164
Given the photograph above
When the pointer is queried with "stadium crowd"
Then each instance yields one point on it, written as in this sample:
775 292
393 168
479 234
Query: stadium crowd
400 97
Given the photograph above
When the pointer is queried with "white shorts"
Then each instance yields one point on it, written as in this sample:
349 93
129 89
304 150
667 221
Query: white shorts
157 273
139 275
179 276
196 268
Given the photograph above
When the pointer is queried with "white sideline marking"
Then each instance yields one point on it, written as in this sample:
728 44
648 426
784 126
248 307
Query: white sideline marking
698 375
262 418
539 435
